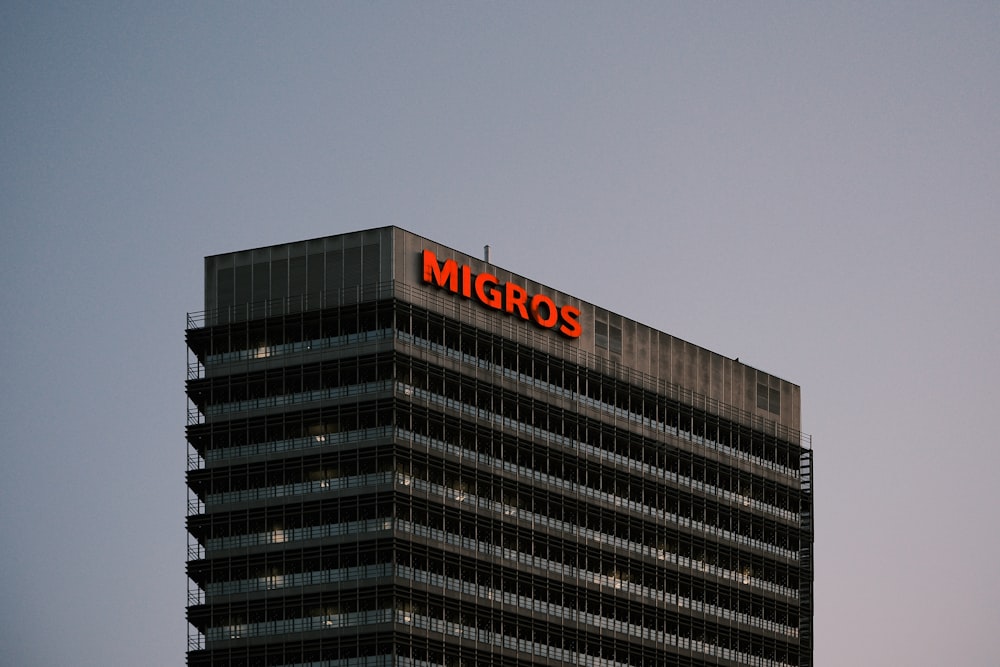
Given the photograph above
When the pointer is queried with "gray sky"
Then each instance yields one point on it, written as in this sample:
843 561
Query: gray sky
812 187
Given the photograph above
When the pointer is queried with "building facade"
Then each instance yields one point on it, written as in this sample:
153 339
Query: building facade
403 455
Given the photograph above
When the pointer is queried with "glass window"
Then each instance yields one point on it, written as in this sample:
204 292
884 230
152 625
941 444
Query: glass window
615 338
352 267
315 278
279 279
244 287
601 334
768 398
335 270
261 281
371 263
225 288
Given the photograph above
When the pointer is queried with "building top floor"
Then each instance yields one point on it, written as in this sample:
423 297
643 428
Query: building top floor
391 260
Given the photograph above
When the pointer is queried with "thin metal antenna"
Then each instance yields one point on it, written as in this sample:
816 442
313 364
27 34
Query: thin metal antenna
486 254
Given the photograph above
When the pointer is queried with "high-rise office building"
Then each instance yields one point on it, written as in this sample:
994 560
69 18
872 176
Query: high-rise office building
400 454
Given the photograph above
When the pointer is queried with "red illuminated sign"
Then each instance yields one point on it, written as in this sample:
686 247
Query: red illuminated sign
507 297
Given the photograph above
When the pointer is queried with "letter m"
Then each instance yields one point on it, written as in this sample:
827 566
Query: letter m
443 276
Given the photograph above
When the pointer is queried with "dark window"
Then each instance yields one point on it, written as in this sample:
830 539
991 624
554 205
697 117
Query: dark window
315 277
352 267
297 276
768 399
334 270
608 336
225 288
261 281
601 334
614 338
244 288
279 279
370 263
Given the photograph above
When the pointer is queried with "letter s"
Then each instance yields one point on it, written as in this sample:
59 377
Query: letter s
570 316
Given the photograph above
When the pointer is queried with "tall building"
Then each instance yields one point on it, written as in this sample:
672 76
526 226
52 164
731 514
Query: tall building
400 454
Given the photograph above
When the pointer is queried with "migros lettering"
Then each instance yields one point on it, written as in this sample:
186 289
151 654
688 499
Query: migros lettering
507 297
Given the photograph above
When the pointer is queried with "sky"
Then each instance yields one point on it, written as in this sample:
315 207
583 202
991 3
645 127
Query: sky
811 187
